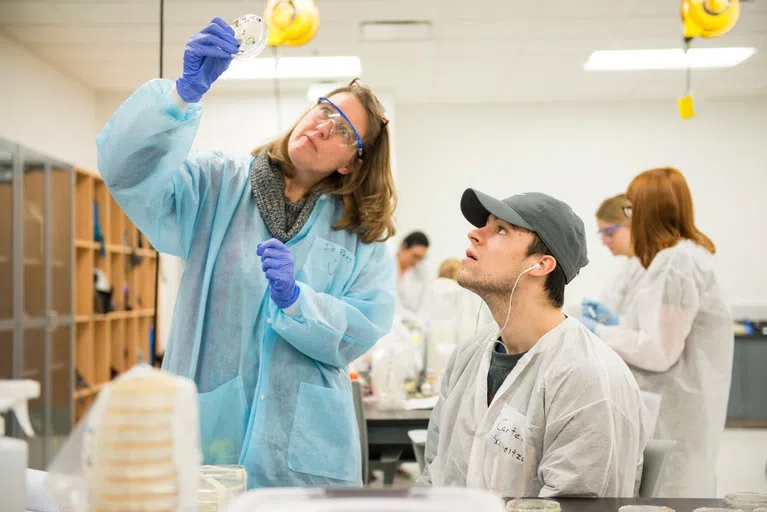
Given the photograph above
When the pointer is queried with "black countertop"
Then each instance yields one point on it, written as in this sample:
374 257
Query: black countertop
613 504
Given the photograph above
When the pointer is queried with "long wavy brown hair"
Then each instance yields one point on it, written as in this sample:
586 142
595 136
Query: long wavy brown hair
662 213
367 193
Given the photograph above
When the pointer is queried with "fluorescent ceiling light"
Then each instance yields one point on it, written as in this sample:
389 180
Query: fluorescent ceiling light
674 58
293 67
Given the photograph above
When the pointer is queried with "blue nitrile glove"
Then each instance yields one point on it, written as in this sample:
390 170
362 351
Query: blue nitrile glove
277 262
589 323
599 312
208 53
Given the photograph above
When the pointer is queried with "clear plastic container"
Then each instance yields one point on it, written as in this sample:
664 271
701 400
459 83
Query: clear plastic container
422 499
644 508
746 501
219 485
533 505
253 33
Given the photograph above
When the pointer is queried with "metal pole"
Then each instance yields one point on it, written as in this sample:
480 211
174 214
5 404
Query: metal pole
48 331
152 353
17 207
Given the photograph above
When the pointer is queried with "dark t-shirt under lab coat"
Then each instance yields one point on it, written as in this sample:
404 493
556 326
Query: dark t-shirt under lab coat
501 365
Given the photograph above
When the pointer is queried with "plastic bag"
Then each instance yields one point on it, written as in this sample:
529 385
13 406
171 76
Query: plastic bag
138 446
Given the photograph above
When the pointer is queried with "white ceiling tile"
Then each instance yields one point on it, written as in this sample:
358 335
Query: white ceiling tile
650 27
566 49
754 6
750 23
500 50
489 31
66 13
585 9
567 30
491 10
663 8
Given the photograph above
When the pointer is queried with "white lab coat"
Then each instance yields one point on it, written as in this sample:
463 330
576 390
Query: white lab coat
569 415
677 337
621 286
412 290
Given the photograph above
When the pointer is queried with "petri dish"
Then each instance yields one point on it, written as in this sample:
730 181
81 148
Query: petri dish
533 505
219 485
746 501
644 508
253 33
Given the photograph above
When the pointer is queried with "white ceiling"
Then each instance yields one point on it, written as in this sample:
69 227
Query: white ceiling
481 52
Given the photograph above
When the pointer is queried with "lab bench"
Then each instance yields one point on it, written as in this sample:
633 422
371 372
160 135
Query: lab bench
614 504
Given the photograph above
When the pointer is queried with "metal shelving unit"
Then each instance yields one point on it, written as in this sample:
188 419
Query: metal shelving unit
51 329
37 290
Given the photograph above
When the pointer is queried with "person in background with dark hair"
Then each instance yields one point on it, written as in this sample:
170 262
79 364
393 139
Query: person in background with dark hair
676 333
535 405
414 278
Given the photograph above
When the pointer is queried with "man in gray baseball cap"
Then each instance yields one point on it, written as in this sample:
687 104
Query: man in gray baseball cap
535 404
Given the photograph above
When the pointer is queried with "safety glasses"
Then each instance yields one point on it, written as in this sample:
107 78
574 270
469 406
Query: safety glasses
609 231
341 128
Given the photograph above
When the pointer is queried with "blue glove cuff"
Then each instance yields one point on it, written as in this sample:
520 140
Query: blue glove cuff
187 91
292 300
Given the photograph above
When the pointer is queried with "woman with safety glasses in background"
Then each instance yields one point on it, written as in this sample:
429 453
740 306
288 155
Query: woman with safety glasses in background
614 229
676 331
286 277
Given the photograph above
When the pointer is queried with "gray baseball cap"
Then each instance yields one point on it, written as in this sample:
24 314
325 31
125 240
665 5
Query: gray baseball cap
554 221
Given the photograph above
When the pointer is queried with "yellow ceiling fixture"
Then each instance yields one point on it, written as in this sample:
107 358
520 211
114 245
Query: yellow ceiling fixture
709 18
291 22
704 18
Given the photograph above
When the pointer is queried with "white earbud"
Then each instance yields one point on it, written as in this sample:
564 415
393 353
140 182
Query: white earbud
534 267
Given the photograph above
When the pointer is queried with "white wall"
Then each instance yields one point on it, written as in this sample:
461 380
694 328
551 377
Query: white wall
583 154
45 110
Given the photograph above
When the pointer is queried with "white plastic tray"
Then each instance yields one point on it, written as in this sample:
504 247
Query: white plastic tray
426 499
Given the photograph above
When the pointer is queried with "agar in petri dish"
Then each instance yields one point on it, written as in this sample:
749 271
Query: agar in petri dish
253 33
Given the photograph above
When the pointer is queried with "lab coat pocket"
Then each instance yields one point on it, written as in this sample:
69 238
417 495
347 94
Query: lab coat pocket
506 450
324 440
327 264
222 422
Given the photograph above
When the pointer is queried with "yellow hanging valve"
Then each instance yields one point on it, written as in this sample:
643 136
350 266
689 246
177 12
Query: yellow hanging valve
704 18
709 18
291 22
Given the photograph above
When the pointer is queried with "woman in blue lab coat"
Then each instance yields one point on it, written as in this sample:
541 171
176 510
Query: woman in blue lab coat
286 279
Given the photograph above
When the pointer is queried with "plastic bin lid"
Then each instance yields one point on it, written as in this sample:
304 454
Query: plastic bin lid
416 499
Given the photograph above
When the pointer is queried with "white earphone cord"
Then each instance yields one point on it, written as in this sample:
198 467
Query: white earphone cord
511 295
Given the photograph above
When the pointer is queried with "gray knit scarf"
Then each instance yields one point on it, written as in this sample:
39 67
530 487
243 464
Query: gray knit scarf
283 219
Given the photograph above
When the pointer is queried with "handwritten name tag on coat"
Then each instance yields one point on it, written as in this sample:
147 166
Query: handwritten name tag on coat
508 434
338 251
